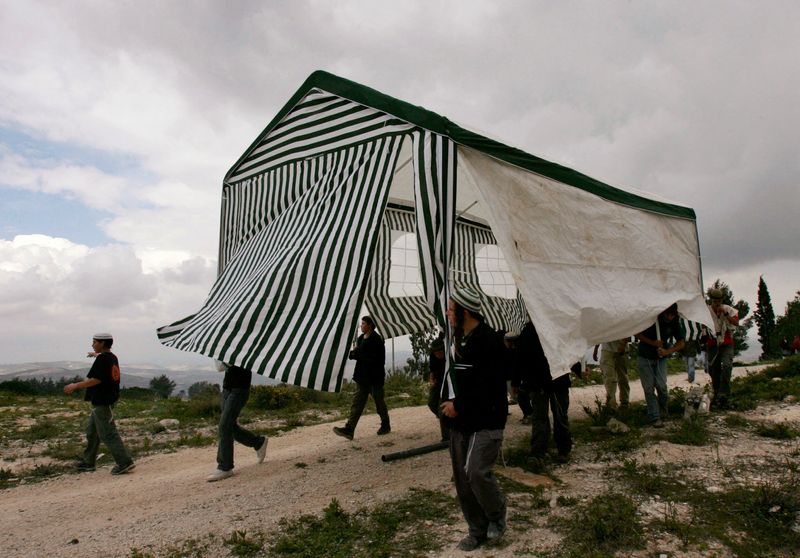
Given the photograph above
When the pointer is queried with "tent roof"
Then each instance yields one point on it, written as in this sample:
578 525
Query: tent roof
441 125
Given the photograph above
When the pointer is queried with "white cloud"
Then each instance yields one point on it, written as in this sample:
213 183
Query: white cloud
52 288
692 102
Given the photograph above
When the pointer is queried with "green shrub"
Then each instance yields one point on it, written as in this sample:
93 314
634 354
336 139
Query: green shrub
203 390
272 398
137 394
779 431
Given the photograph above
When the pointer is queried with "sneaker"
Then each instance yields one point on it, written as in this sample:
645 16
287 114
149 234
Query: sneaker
657 423
122 469
261 451
83 466
469 543
343 432
384 429
219 474
562 458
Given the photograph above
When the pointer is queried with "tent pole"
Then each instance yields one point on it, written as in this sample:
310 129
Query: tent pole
392 355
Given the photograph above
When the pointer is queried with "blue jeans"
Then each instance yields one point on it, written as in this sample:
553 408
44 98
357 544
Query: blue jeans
690 367
653 374
233 402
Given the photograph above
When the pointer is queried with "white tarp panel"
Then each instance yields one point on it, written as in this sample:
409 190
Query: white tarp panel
589 270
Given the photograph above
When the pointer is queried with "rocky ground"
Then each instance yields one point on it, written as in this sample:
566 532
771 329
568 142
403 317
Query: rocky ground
166 499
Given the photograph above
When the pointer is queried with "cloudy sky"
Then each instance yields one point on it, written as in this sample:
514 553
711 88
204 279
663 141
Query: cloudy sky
118 121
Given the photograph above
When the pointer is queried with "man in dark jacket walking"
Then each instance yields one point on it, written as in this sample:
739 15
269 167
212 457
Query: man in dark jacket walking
477 413
369 376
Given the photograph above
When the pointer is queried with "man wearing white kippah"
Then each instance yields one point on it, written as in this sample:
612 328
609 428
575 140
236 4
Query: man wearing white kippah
476 412
102 390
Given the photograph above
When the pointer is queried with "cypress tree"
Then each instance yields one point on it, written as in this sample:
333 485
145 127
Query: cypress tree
765 321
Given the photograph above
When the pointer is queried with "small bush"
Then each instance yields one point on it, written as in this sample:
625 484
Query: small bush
602 527
690 432
779 431
272 398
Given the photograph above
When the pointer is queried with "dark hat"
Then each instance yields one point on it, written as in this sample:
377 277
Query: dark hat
468 298
716 294
437 345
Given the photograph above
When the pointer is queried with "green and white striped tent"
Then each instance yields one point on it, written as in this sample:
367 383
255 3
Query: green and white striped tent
316 218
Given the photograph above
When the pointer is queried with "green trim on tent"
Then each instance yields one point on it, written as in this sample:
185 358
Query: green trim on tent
435 123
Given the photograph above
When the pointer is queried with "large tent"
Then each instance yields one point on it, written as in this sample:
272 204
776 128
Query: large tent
351 198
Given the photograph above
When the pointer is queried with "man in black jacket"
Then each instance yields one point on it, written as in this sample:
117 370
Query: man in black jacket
477 413
369 376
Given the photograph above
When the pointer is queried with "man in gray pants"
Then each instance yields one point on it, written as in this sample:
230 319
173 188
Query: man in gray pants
476 412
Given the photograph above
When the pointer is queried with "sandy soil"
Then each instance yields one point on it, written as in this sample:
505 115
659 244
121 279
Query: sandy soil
166 499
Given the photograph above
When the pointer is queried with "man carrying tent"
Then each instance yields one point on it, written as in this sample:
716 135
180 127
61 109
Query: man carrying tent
614 366
369 376
477 413
654 348
720 348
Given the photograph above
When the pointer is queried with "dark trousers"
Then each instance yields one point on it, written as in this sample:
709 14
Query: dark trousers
721 367
102 428
434 400
557 402
360 401
233 401
524 402
473 457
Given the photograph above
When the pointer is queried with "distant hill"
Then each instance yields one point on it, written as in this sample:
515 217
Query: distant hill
135 375
139 375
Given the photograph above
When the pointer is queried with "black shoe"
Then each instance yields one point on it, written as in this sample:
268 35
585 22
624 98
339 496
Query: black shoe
562 458
343 432
536 464
469 543
122 469
497 528
83 466
384 429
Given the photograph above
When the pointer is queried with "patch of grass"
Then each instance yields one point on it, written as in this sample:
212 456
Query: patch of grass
684 530
650 479
606 441
735 420
772 384
566 501
690 432
779 431
43 429
600 414
398 529
64 450
755 520
243 546
601 527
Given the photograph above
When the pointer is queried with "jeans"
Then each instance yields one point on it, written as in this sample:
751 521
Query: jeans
473 456
557 401
689 360
653 374
233 401
101 428
360 401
